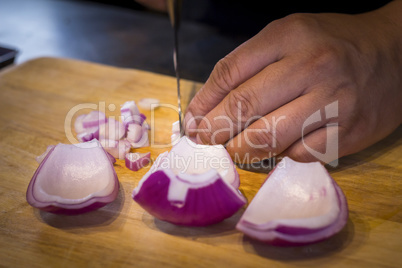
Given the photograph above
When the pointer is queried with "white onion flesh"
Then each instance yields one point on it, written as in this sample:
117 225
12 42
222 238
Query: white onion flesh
298 204
73 178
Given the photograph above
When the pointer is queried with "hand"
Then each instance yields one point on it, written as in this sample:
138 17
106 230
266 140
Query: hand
259 98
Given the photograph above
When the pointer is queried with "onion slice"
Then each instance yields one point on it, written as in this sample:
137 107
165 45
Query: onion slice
136 161
298 204
192 185
73 179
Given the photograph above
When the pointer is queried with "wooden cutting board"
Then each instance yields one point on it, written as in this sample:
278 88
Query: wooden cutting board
35 100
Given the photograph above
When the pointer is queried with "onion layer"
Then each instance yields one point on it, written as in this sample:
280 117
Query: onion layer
192 185
73 179
298 204
192 200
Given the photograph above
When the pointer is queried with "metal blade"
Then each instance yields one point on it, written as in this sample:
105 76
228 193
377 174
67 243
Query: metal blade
174 7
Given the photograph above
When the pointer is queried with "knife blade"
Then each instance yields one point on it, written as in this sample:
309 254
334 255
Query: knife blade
174 9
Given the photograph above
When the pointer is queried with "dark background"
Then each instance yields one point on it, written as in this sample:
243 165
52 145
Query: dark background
122 33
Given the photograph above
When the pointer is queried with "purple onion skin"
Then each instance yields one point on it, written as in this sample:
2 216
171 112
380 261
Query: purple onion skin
70 209
218 202
65 211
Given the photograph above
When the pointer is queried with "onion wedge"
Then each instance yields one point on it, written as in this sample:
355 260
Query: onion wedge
73 179
186 189
136 161
298 204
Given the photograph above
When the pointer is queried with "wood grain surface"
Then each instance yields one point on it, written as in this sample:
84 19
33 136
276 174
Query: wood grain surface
36 100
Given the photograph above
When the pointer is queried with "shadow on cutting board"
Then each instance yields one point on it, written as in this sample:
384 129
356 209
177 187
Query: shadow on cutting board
97 218
224 227
349 239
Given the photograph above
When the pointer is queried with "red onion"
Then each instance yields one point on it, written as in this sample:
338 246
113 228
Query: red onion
89 134
73 179
78 126
136 161
193 200
143 141
87 125
131 114
118 149
94 119
134 132
298 204
196 192
112 130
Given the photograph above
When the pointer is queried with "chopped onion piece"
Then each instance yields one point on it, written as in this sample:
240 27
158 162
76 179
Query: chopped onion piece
149 103
136 161
112 130
130 113
94 119
134 132
78 126
298 204
73 179
118 149
89 123
89 134
144 140
129 106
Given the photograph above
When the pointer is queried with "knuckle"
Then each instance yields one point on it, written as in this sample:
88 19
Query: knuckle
297 24
204 131
263 142
240 106
301 155
226 73
325 58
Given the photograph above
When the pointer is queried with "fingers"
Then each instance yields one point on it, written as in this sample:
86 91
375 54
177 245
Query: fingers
276 85
237 67
320 145
275 132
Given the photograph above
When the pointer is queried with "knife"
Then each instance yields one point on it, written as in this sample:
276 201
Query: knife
174 9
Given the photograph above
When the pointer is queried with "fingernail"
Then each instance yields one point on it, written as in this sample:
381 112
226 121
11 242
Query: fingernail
189 124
